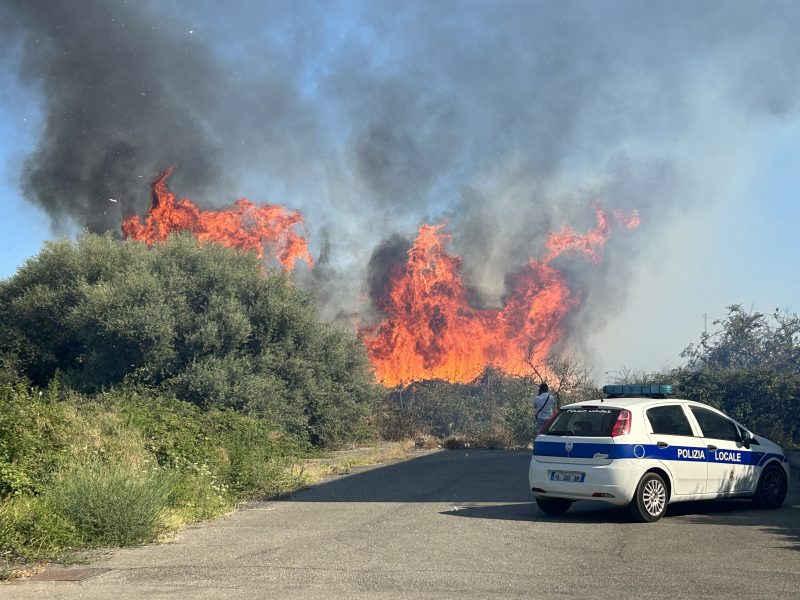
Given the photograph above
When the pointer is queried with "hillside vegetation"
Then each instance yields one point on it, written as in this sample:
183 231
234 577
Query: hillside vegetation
142 388
198 321
124 467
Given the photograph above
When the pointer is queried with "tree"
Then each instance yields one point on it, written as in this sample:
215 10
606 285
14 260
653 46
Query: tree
567 375
195 318
746 340
749 368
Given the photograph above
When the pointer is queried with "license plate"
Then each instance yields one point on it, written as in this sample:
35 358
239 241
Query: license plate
573 476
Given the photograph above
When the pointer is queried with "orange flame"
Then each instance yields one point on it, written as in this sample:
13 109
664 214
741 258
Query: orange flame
631 221
431 331
247 226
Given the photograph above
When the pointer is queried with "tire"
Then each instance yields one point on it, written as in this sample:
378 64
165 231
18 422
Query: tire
553 506
772 488
650 501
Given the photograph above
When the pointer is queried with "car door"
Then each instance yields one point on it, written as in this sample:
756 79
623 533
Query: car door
729 468
674 442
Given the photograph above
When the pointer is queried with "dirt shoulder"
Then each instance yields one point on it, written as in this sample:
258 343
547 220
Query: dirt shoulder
343 462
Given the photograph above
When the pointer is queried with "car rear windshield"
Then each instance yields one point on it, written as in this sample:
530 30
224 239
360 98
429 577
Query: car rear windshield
586 421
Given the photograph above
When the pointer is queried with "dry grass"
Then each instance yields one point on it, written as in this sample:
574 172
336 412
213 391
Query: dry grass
313 470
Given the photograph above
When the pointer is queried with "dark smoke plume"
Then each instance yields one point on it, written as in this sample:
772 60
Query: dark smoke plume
119 93
386 262
504 119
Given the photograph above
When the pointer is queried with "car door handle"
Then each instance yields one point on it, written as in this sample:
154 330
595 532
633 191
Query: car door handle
711 447
662 444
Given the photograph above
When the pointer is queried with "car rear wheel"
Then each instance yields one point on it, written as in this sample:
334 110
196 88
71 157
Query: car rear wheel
772 488
553 506
650 501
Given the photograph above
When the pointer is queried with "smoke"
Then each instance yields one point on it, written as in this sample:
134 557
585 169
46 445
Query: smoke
388 259
128 91
504 120
114 88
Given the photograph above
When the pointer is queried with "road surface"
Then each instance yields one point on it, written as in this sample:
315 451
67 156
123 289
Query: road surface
455 524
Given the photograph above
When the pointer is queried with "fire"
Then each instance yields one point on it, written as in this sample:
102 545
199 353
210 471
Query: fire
246 226
631 221
431 331
592 242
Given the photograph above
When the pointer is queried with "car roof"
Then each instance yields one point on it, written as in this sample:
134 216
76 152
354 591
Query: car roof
633 402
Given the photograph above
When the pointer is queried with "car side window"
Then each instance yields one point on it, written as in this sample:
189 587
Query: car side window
669 420
715 426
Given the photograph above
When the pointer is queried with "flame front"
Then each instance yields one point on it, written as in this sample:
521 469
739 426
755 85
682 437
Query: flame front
432 332
246 226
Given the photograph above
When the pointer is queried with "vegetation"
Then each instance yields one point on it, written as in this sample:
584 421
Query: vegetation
145 388
749 367
494 411
124 467
198 321
142 388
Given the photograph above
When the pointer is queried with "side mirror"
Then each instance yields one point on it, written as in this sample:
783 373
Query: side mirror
748 439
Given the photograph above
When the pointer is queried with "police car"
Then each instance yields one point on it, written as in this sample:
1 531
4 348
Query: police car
640 448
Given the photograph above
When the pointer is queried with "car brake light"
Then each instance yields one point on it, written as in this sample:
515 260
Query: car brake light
623 424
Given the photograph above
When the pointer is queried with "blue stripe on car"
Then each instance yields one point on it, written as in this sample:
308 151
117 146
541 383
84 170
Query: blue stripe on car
652 451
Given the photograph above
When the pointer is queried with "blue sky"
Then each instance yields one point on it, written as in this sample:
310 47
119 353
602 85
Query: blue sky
504 120
748 257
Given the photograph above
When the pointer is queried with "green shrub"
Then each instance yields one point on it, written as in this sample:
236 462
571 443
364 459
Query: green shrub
32 530
519 421
196 320
122 465
197 495
32 439
111 504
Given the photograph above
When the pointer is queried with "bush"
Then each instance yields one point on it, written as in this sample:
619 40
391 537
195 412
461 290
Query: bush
33 439
122 465
111 504
196 320
764 400
749 367
494 411
31 529
197 495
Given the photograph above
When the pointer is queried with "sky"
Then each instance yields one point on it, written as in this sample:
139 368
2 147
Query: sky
505 120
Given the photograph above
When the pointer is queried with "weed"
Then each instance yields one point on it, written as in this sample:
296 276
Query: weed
111 504
30 529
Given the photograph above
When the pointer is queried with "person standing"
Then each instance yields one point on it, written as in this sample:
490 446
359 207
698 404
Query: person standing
543 406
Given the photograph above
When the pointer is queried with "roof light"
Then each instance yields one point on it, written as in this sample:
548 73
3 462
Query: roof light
637 390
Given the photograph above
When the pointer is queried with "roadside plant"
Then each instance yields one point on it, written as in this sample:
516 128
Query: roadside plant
111 504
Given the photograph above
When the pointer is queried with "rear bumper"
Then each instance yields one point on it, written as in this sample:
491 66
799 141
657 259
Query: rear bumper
616 481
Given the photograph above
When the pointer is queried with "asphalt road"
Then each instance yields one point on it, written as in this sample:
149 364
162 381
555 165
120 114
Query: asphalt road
451 525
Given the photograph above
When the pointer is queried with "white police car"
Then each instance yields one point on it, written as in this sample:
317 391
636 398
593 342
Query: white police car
642 449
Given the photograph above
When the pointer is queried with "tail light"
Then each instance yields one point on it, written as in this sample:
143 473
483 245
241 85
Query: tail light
623 424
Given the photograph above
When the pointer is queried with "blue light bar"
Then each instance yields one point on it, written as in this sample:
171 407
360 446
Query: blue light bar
637 390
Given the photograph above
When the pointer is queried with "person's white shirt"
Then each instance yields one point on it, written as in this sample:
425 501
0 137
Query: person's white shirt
543 406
